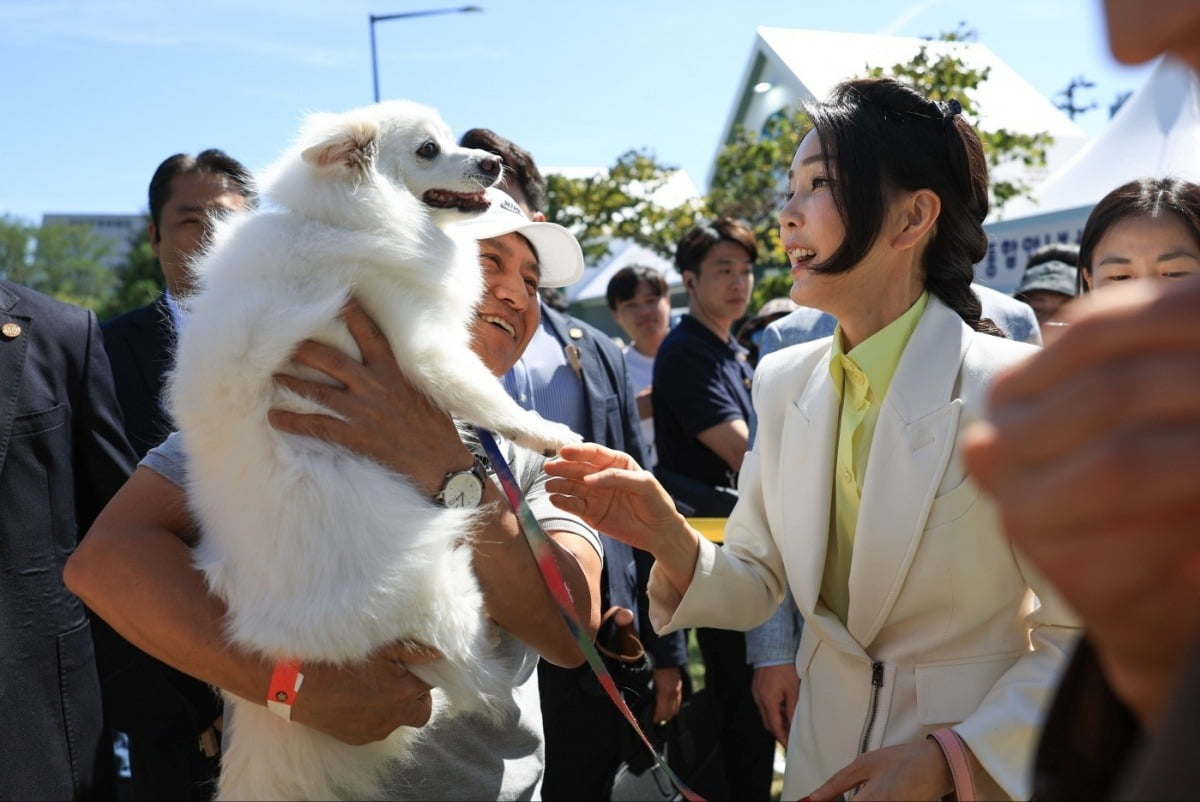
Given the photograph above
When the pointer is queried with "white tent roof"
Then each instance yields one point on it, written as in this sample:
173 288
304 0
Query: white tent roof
622 253
1155 133
677 190
788 66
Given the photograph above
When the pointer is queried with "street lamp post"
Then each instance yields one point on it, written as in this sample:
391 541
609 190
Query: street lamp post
403 15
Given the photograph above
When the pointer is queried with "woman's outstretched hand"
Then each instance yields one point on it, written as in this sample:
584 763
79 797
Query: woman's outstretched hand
612 493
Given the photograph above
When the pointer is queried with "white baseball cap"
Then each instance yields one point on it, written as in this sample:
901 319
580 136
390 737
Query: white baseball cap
558 252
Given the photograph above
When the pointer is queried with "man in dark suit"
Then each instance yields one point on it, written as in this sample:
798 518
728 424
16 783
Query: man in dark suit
62 455
573 373
173 720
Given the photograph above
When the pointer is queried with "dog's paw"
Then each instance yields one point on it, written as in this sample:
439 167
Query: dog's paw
543 436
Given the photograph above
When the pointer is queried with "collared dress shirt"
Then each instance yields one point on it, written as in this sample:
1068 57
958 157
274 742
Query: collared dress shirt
861 378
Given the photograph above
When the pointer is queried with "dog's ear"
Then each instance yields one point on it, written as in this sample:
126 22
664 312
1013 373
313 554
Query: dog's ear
351 146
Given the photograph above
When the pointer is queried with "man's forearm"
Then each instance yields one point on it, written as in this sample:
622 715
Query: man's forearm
515 594
166 612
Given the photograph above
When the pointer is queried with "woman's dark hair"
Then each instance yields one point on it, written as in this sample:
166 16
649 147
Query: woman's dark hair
696 243
1142 197
879 136
625 282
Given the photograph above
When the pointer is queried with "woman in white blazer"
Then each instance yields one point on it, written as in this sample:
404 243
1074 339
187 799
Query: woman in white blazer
918 615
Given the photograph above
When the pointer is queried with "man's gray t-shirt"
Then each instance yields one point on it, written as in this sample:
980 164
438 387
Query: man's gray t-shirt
466 756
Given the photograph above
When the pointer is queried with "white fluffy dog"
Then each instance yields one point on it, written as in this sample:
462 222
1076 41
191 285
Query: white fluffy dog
322 555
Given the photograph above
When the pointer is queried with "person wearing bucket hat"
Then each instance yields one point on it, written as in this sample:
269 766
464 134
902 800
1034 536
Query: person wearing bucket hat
1050 279
135 569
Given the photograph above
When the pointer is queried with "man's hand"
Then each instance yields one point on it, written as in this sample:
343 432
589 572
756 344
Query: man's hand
380 415
366 702
1092 453
775 690
645 404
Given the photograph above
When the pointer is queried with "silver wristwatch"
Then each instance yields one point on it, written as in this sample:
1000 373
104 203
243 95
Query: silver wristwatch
464 489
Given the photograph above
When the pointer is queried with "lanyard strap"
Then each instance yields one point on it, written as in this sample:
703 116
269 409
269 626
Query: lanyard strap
539 544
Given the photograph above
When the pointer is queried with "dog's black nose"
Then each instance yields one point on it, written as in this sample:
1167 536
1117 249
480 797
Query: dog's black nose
490 165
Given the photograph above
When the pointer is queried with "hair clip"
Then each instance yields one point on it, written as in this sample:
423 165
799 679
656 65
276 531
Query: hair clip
951 108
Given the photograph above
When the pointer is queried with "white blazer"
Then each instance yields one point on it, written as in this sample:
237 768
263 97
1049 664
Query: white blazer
944 626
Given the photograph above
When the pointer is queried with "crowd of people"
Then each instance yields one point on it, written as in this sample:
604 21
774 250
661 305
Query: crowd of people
962 547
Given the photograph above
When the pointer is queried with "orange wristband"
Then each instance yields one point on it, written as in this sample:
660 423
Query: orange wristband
285 686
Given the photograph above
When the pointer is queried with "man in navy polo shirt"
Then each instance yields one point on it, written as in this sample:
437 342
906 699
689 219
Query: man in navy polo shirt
702 377
702 420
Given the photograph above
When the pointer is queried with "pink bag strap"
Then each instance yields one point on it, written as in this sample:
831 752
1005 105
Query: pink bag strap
955 751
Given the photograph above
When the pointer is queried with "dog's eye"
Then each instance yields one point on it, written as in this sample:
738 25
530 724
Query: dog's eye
428 150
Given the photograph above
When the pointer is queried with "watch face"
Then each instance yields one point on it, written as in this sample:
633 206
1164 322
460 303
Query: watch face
462 490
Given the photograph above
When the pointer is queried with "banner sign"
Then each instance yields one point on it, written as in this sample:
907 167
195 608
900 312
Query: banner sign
1011 242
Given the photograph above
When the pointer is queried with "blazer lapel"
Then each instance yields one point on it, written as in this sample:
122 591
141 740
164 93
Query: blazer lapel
806 446
13 352
914 440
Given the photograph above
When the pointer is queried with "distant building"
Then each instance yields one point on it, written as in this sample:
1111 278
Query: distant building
120 229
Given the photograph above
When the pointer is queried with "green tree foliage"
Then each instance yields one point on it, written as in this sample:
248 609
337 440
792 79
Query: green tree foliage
63 261
947 76
750 179
619 203
141 279
16 243
69 263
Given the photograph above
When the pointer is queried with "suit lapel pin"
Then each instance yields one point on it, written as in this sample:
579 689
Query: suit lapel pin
11 331
575 333
573 353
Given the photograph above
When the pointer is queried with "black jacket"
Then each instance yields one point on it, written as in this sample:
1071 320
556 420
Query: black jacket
63 454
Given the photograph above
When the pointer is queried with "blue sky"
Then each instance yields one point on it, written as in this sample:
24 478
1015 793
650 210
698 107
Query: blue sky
97 92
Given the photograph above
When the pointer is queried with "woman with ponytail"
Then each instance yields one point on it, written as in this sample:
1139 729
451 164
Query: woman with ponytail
920 620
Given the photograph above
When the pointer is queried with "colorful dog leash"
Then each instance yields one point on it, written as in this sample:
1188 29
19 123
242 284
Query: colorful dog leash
539 544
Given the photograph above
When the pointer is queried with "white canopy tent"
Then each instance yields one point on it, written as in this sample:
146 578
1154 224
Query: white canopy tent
588 296
789 66
1155 133
621 253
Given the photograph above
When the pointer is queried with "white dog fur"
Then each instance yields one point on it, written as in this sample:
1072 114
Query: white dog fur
319 554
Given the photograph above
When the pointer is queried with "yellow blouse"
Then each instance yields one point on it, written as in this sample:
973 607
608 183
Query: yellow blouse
861 379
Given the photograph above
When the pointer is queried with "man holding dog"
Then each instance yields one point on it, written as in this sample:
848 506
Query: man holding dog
134 568
573 373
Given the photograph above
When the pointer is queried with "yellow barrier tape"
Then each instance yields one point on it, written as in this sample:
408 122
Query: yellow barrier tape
711 528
